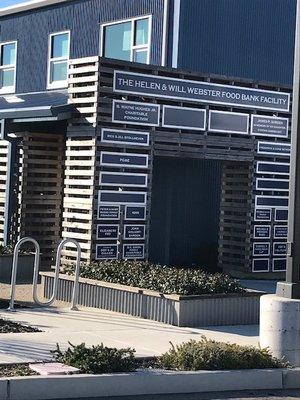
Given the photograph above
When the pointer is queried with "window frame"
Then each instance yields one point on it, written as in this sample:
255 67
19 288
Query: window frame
57 84
9 89
132 46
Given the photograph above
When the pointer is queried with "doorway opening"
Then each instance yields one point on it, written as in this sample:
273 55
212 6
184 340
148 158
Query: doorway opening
185 212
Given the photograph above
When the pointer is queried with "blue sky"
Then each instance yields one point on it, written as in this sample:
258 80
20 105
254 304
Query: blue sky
6 3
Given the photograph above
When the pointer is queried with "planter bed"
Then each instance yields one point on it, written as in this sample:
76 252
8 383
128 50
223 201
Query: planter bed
178 310
25 268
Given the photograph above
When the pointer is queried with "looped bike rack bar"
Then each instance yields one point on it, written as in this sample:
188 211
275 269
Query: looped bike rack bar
36 273
15 266
56 277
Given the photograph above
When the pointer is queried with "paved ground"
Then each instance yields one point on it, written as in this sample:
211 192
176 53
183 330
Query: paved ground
93 327
262 395
59 325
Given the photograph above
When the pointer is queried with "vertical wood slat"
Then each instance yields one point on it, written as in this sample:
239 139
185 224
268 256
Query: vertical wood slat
80 159
235 218
4 178
41 178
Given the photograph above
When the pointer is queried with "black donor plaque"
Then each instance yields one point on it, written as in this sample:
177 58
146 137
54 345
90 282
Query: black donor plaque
123 179
108 212
116 197
136 232
263 125
262 214
222 121
272 184
281 215
184 118
261 249
260 265
107 232
265 167
106 251
135 213
172 88
274 149
132 112
262 232
124 160
133 251
279 264
271 201
280 231
124 137
279 249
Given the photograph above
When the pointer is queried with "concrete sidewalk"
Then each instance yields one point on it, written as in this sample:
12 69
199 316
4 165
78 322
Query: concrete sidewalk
93 327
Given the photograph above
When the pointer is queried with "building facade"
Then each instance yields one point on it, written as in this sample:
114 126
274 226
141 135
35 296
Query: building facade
136 159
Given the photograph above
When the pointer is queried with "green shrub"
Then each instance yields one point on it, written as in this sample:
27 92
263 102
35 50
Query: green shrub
160 278
96 359
212 355
6 250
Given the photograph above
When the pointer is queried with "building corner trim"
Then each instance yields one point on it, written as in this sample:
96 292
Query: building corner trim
176 21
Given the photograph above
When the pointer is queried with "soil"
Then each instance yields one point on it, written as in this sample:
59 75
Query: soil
15 370
7 326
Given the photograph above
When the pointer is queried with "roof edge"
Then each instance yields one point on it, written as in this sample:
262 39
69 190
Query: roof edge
28 5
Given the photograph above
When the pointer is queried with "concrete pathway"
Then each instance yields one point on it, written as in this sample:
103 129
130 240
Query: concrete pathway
96 326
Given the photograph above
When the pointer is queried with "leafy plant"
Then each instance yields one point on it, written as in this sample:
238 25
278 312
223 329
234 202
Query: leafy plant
168 280
208 354
96 359
8 250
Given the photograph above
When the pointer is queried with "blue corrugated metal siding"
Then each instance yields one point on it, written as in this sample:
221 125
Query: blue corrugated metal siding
83 18
245 38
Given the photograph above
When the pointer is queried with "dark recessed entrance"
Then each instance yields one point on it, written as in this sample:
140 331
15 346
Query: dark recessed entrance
185 212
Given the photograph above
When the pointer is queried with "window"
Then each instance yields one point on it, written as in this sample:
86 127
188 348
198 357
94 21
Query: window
127 40
8 65
59 52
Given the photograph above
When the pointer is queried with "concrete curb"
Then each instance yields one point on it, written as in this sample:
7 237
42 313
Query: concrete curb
146 382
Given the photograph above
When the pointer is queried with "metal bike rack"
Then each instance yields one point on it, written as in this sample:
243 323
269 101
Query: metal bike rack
36 273
56 277
15 266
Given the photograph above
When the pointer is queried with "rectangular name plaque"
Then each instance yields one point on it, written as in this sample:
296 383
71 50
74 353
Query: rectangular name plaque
203 92
116 197
108 212
133 251
279 249
135 232
266 167
280 231
123 179
135 113
263 125
137 213
228 122
279 264
263 214
124 137
260 265
278 185
271 201
106 251
274 149
281 215
262 232
184 118
261 249
107 232
123 160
